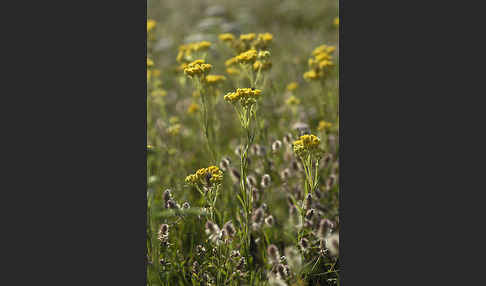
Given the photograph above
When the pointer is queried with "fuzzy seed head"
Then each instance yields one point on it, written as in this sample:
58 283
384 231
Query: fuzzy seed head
276 145
258 215
273 253
167 195
265 181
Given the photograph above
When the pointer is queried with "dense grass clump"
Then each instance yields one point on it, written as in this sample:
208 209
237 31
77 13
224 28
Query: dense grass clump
242 143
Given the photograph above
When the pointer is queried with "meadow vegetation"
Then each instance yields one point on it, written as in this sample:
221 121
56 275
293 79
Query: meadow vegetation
242 142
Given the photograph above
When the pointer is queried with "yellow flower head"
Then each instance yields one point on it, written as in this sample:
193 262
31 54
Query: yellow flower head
247 37
247 57
325 63
330 49
230 62
151 25
155 72
323 125
150 63
197 68
201 46
319 49
226 37
193 108
323 56
232 97
233 71
293 100
207 177
292 86
306 144
336 21
310 75
215 79
245 96
265 37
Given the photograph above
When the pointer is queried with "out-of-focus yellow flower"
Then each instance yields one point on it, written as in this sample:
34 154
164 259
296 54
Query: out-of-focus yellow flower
155 72
150 63
233 71
265 37
193 108
292 86
151 25
174 130
247 37
323 125
335 21
215 79
319 49
293 100
309 75
323 64
201 46
185 53
322 56
226 37
230 62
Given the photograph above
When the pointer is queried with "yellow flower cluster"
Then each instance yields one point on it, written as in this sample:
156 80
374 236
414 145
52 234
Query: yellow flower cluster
263 41
247 57
336 21
226 37
323 125
150 63
197 68
251 49
246 96
320 63
210 176
193 108
186 51
247 41
306 144
215 79
151 25
247 37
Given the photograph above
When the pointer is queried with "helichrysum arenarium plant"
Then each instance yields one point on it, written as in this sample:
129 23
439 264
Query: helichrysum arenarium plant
242 143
